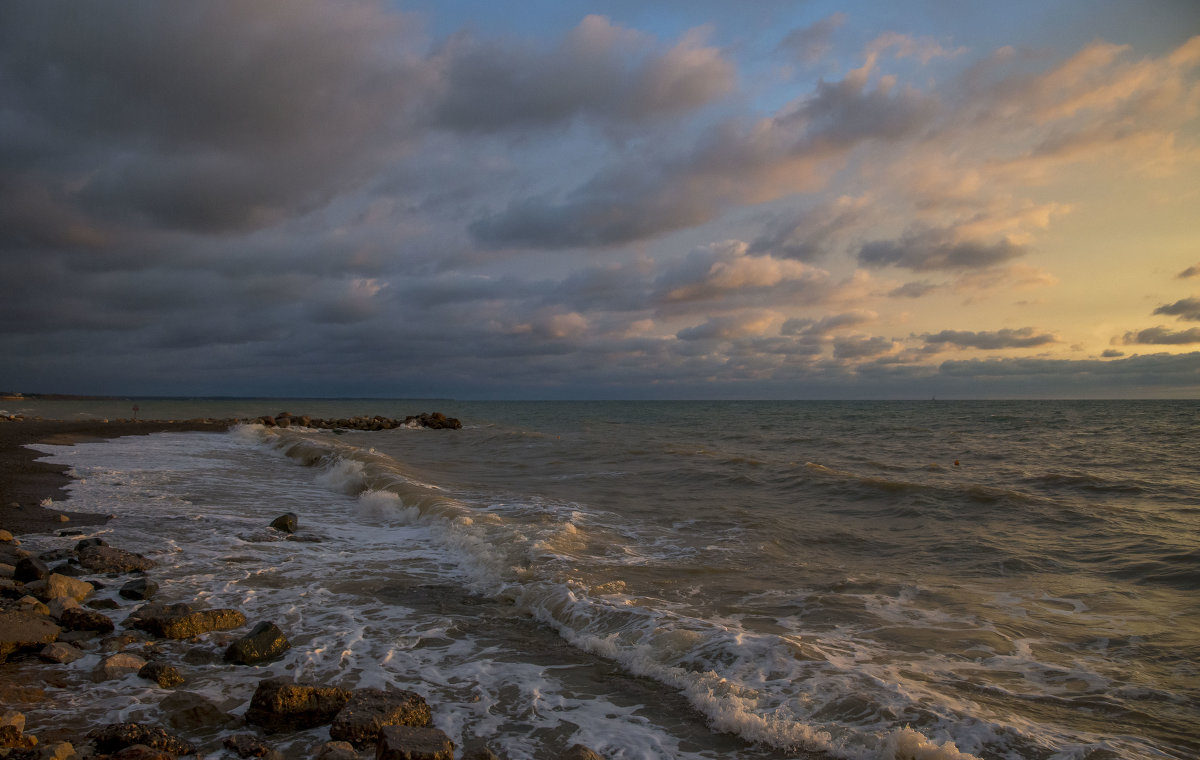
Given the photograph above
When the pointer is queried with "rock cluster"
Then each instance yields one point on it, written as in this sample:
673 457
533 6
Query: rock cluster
434 420
43 613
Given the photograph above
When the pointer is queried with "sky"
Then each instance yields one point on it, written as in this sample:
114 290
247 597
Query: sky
616 199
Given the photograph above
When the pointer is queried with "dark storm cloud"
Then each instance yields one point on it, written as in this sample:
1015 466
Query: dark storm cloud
1187 309
661 190
988 340
599 71
1162 336
934 249
809 44
139 111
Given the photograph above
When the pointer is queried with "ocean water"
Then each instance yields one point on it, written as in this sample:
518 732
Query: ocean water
894 580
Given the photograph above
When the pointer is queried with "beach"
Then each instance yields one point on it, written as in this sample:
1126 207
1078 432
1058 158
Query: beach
767 581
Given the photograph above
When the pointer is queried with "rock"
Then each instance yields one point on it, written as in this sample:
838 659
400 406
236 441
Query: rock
249 745
117 736
279 704
117 666
371 709
120 641
69 570
81 619
266 642
63 518
14 719
142 752
192 713
60 605
413 743
139 589
30 569
337 751
89 542
11 738
7 570
60 652
30 604
103 604
59 751
483 753
435 421
162 674
177 621
5 537
25 630
286 522
61 585
580 752
110 559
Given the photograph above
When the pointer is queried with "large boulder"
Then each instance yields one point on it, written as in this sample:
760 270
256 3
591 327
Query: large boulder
413 743
161 673
110 559
61 585
25 630
139 589
117 736
179 621
279 704
30 569
60 652
369 710
264 643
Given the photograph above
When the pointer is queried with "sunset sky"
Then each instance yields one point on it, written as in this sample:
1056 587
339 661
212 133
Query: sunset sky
622 199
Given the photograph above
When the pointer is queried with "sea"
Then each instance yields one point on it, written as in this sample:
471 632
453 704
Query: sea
920 580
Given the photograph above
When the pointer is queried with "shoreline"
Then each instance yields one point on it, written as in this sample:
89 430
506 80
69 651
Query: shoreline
25 481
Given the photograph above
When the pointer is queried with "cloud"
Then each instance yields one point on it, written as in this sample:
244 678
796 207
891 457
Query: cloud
1192 271
860 347
988 340
809 44
728 327
598 71
815 232
1162 336
1186 309
826 325
932 249
914 289
726 270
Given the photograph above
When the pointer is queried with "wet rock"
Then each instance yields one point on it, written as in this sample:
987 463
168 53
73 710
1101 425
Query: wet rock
110 559
82 619
580 752
59 751
247 745
279 704
191 713
369 710
286 522
30 569
178 621
139 589
337 751
60 653
117 736
103 604
483 753
413 743
117 666
60 605
142 752
121 641
25 630
69 570
162 674
5 536
264 643
88 543
7 570
61 585
30 604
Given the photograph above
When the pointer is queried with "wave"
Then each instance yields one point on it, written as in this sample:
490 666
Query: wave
760 686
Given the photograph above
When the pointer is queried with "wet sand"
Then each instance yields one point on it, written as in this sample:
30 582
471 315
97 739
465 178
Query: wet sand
25 482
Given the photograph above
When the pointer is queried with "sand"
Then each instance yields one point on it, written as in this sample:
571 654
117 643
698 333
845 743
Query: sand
25 482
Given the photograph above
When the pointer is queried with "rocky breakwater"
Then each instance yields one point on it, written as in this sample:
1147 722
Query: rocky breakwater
432 420
51 617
